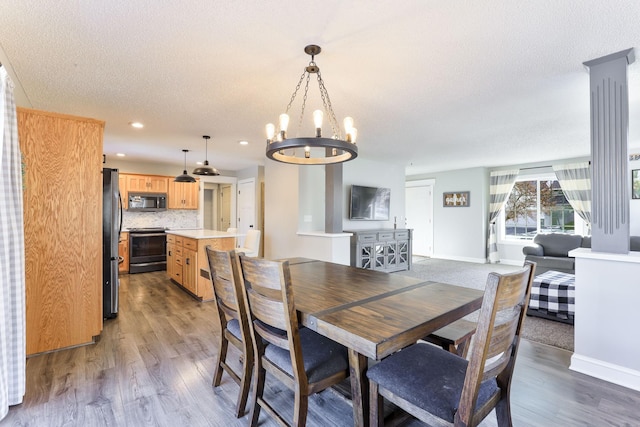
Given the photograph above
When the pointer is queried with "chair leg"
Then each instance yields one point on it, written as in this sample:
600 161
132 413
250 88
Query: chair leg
222 357
301 407
376 402
245 385
258 391
503 412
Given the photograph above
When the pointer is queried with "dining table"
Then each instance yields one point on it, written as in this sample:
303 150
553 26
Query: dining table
373 313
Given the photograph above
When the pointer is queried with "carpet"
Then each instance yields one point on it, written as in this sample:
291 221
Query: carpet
474 275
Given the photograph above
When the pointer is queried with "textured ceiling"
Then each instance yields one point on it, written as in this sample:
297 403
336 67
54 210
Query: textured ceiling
433 85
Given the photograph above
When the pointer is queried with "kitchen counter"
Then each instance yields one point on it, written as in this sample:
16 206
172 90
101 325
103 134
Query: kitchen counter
203 234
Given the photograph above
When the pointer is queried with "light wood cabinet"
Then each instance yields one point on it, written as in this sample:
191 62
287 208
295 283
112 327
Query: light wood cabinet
123 252
183 195
187 263
189 270
122 187
62 157
147 183
383 250
171 255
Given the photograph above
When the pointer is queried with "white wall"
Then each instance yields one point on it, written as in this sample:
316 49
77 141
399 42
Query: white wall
280 210
293 192
460 233
374 174
607 295
311 198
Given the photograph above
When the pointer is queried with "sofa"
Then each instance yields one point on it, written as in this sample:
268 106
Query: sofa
551 251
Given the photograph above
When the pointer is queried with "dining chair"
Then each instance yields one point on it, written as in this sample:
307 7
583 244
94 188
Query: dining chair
305 361
251 245
234 322
443 389
232 230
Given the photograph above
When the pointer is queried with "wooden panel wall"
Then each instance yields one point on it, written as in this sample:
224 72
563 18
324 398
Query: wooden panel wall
62 158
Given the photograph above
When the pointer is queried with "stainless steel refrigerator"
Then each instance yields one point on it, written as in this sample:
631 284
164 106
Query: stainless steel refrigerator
111 228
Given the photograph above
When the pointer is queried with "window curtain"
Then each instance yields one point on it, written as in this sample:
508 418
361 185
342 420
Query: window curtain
500 186
575 181
12 274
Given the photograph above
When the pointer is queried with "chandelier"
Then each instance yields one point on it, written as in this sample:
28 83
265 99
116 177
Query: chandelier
316 150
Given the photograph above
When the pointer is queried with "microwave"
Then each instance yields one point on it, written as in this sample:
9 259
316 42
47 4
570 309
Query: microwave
147 202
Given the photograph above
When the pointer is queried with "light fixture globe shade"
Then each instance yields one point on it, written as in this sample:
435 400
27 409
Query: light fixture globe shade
206 170
184 178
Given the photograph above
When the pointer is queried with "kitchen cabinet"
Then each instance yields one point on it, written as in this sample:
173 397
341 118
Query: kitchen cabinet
147 183
123 252
183 195
122 187
382 250
187 263
62 196
190 270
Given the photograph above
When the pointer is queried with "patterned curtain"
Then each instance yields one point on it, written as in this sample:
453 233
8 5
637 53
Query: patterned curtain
575 181
500 186
12 274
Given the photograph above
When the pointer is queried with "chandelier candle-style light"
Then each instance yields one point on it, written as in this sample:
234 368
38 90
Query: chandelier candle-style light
304 150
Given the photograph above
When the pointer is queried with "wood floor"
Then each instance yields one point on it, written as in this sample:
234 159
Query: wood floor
152 366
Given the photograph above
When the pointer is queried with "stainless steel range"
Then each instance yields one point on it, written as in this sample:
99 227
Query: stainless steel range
147 250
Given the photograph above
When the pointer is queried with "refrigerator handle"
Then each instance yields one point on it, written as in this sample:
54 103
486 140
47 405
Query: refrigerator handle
120 206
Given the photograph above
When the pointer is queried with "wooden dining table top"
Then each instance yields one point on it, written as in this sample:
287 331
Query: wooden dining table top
371 312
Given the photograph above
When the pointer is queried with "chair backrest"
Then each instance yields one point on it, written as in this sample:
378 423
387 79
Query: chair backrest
497 337
232 230
269 297
251 244
227 287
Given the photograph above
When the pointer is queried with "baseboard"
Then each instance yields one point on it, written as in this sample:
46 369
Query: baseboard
616 374
458 258
511 262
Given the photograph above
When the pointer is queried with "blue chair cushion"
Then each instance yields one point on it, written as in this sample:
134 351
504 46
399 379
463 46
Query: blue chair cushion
233 326
428 377
322 356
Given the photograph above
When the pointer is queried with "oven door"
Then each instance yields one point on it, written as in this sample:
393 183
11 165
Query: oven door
147 247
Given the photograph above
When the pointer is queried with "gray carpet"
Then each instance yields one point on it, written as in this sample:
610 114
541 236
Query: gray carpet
474 275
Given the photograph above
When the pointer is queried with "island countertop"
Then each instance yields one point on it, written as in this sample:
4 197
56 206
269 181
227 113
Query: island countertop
202 234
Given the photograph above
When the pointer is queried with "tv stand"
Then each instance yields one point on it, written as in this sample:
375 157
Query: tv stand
383 250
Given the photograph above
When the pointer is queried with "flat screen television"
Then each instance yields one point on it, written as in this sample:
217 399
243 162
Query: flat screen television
369 203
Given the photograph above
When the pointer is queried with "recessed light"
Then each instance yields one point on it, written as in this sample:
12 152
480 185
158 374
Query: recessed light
136 125
120 154
244 142
199 163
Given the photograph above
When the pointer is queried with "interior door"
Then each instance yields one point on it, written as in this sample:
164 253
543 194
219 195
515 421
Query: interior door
419 211
246 207
225 207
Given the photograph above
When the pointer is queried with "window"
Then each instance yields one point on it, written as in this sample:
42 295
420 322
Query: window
538 205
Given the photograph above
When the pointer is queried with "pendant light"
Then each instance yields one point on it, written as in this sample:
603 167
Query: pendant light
185 177
205 169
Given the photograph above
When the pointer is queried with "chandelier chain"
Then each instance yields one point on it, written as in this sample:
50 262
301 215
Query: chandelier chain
326 101
295 92
304 101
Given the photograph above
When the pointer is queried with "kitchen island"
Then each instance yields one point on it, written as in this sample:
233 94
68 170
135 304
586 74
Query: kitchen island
187 263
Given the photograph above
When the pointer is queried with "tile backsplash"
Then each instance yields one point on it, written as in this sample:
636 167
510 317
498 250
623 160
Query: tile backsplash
171 218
